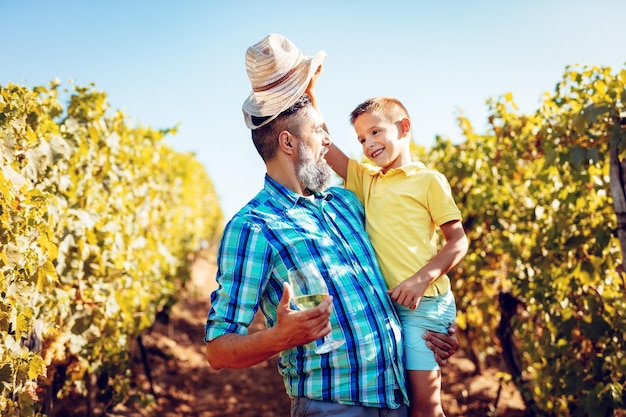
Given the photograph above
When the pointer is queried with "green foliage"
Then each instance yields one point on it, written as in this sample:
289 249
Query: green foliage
536 196
97 218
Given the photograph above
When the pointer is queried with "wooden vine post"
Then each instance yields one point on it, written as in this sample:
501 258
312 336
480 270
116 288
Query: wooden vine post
618 180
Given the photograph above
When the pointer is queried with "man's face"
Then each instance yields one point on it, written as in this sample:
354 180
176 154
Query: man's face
312 170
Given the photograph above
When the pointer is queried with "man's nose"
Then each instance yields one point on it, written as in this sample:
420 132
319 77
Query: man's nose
327 140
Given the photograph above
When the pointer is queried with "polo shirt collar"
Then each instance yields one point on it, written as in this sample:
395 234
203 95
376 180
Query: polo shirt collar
408 169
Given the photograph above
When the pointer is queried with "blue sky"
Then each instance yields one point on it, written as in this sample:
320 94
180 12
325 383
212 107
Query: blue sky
167 63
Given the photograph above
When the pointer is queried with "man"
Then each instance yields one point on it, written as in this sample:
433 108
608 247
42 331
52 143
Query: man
294 220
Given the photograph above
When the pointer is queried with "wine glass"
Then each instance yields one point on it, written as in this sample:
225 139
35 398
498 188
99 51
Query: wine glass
309 290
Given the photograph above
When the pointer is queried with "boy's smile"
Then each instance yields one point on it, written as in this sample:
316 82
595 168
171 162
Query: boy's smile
381 140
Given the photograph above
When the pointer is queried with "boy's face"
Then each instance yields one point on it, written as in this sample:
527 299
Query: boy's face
383 141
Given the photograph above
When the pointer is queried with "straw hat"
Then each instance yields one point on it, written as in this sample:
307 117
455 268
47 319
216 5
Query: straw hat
279 74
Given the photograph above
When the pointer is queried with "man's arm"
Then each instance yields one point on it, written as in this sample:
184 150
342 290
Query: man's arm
444 345
293 328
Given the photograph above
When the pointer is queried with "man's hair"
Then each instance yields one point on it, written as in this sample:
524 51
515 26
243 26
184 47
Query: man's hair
265 137
388 107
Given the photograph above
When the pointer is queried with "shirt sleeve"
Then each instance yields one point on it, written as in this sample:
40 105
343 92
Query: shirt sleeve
441 203
243 269
354 178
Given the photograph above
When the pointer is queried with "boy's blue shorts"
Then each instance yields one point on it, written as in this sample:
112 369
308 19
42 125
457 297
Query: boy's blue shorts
432 313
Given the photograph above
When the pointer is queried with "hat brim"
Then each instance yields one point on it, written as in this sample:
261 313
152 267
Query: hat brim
274 101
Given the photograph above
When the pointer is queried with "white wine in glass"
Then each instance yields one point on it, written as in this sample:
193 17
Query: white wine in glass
309 290
309 301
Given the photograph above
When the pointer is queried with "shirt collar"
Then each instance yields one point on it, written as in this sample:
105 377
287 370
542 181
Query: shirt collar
290 198
408 169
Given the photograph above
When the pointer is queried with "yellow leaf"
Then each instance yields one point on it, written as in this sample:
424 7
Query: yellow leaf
94 134
45 274
37 367
22 323
461 321
44 242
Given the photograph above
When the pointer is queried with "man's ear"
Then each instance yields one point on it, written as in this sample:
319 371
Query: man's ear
286 142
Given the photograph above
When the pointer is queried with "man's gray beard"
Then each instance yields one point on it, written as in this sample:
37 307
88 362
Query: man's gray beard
313 175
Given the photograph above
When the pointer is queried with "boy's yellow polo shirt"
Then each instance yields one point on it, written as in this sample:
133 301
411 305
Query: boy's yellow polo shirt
403 207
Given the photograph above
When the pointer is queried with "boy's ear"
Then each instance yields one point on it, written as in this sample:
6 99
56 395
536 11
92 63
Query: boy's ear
405 125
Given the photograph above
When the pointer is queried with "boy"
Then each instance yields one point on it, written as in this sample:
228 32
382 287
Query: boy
404 203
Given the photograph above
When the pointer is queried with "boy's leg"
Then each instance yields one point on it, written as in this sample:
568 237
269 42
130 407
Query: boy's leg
425 393
423 372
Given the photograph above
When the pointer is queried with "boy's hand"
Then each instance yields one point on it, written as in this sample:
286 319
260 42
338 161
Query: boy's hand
310 89
408 293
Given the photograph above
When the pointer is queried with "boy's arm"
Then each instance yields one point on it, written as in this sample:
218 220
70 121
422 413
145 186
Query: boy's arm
337 160
451 253
335 157
410 291
310 89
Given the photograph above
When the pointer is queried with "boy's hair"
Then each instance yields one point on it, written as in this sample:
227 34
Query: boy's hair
388 107
264 138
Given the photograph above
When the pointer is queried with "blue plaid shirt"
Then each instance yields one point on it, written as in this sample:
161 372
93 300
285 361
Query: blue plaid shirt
279 229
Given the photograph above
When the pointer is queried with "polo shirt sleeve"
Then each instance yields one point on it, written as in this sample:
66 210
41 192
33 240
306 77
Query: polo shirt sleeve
243 270
354 178
441 203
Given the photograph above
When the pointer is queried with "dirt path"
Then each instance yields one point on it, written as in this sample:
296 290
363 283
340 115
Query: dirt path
185 385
